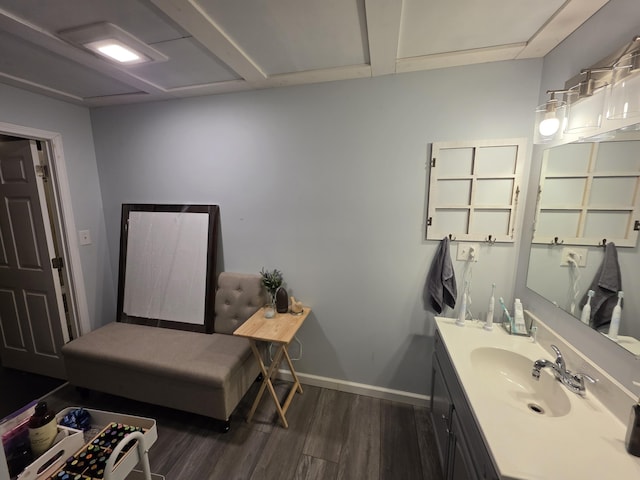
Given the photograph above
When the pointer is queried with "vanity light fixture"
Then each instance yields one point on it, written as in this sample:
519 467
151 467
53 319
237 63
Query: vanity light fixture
550 119
609 89
113 43
584 107
624 98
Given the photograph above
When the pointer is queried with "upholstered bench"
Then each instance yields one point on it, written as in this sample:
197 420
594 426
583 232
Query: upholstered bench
207 374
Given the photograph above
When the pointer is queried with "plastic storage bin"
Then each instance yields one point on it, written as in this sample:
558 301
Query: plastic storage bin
77 441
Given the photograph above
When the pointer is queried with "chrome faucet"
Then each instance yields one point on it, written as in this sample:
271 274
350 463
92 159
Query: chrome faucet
574 382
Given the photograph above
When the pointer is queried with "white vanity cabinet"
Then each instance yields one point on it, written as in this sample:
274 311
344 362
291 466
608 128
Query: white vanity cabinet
462 452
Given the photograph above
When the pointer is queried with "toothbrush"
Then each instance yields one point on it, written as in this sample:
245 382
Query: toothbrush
586 310
489 323
462 314
615 318
506 312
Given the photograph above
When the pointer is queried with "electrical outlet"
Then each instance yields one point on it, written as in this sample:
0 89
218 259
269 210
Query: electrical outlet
465 250
579 255
85 237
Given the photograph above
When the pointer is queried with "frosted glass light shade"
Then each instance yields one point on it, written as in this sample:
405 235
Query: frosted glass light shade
550 119
624 95
584 114
116 50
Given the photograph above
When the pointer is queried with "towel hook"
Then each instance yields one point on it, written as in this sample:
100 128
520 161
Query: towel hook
556 242
451 237
603 244
490 240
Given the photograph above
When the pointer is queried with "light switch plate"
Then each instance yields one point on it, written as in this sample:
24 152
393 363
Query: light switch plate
580 256
465 249
85 237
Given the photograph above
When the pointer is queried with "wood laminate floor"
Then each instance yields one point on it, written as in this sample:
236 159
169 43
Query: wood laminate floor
331 435
18 388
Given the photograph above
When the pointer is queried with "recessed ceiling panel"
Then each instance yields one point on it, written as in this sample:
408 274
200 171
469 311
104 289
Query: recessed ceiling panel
440 26
230 45
283 36
138 17
59 73
188 64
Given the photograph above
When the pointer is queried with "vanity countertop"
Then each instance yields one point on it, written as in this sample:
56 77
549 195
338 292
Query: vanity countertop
585 443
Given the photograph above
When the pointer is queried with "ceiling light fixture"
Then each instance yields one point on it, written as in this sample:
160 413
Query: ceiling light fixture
113 43
610 89
115 50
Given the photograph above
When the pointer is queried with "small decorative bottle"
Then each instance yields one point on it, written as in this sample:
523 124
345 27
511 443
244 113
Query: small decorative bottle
282 300
42 429
632 441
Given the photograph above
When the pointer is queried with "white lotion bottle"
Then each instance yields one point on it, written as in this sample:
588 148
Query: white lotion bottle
614 326
586 310
489 323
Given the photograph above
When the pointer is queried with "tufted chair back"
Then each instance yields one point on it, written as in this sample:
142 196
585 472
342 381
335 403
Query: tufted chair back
238 297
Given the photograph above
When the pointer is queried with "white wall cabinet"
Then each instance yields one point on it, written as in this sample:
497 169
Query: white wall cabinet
474 189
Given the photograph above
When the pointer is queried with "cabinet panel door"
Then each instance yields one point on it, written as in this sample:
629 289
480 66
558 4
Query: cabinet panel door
461 466
441 408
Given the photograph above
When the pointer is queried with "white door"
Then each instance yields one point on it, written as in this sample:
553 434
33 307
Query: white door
32 319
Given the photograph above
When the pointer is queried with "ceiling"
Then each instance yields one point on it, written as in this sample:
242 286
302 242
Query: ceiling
218 46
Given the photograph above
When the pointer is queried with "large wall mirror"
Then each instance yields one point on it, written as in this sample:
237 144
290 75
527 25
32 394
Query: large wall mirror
168 259
588 197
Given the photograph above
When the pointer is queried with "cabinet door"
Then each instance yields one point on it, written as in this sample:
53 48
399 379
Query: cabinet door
441 408
460 464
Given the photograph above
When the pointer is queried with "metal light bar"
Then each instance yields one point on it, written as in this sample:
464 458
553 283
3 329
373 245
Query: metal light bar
585 98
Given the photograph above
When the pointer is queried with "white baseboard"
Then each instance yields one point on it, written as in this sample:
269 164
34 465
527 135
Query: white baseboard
358 388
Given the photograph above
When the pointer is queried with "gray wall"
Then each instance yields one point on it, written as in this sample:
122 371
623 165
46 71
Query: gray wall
27 109
326 183
611 28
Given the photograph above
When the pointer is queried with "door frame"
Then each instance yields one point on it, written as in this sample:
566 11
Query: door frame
77 298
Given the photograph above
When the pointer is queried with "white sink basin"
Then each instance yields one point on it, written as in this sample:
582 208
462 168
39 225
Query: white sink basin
508 377
494 369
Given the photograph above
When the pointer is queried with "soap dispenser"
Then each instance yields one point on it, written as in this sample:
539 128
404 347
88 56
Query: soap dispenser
632 441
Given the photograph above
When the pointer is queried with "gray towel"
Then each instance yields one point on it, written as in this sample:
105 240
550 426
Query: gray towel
441 281
606 284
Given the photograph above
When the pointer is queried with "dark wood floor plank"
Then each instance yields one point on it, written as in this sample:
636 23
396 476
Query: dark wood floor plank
332 435
312 468
185 447
360 455
170 448
236 460
329 428
279 458
399 443
431 467
266 415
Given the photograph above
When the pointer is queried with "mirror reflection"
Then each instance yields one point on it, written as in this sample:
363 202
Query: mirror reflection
584 250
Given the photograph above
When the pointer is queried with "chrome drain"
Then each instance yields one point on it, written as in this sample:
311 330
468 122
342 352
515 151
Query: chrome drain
536 408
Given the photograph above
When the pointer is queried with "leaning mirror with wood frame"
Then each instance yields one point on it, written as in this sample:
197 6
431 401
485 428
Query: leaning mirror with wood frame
168 265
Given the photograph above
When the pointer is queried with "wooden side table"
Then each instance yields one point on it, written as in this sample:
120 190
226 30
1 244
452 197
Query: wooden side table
279 330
